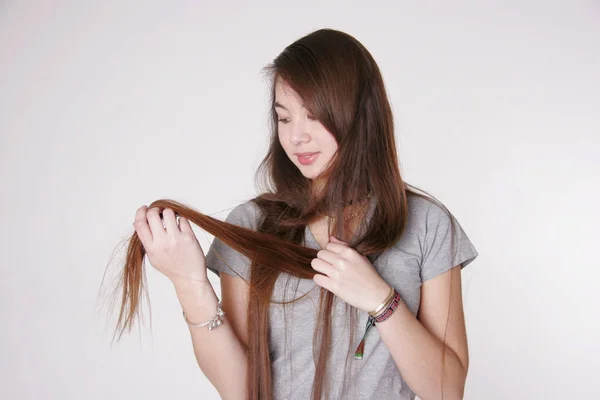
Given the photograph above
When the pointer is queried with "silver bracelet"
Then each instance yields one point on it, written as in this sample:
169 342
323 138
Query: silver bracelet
213 323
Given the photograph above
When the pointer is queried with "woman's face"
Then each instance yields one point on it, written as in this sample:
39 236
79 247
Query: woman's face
300 132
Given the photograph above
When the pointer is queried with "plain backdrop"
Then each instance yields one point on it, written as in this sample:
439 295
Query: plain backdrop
106 106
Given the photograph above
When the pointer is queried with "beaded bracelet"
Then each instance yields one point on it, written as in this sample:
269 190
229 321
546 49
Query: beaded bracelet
213 323
389 310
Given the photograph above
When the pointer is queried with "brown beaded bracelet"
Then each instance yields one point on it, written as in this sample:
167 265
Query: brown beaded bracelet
389 309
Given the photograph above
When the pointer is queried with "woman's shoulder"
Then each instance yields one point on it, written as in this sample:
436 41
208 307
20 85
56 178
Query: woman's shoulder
424 211
426 218
440 237
246 214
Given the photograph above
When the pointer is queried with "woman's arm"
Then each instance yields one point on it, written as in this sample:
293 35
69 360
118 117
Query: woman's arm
219 353
416 343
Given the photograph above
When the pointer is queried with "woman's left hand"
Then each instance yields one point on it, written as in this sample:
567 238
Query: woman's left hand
349 275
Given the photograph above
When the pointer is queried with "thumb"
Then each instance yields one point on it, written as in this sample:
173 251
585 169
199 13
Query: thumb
336 240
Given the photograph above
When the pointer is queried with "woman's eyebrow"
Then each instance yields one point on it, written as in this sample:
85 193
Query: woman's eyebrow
277 104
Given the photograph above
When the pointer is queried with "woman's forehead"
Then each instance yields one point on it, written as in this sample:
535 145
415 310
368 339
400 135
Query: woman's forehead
286 96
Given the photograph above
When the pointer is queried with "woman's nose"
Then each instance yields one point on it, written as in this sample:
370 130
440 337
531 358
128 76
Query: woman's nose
299 132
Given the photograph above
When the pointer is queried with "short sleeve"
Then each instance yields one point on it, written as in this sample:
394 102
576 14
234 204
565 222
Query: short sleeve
222 258
439 253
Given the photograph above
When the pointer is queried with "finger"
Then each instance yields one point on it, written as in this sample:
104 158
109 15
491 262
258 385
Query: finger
327 256
141 227
323 281
185 226
322 266
336 247
155 222
169 220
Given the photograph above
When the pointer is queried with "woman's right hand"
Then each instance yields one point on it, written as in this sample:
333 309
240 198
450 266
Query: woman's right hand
172 249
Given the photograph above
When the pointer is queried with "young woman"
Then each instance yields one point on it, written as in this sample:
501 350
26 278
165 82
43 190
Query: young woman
339 281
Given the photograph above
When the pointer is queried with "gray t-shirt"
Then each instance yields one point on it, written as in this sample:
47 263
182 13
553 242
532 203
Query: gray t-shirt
422 253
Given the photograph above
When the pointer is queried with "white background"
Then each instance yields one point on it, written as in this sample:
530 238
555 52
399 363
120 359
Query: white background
106 107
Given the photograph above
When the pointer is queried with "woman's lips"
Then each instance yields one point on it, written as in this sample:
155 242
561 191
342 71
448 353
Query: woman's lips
307 158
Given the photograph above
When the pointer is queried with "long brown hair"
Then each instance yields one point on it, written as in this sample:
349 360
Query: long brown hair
341 85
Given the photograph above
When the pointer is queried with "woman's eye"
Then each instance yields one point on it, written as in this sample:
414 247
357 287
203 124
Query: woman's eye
311 117
283 120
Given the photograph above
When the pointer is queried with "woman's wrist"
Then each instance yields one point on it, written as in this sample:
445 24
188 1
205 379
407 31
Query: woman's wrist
389 308
382 306
380 313
183 285
198 300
